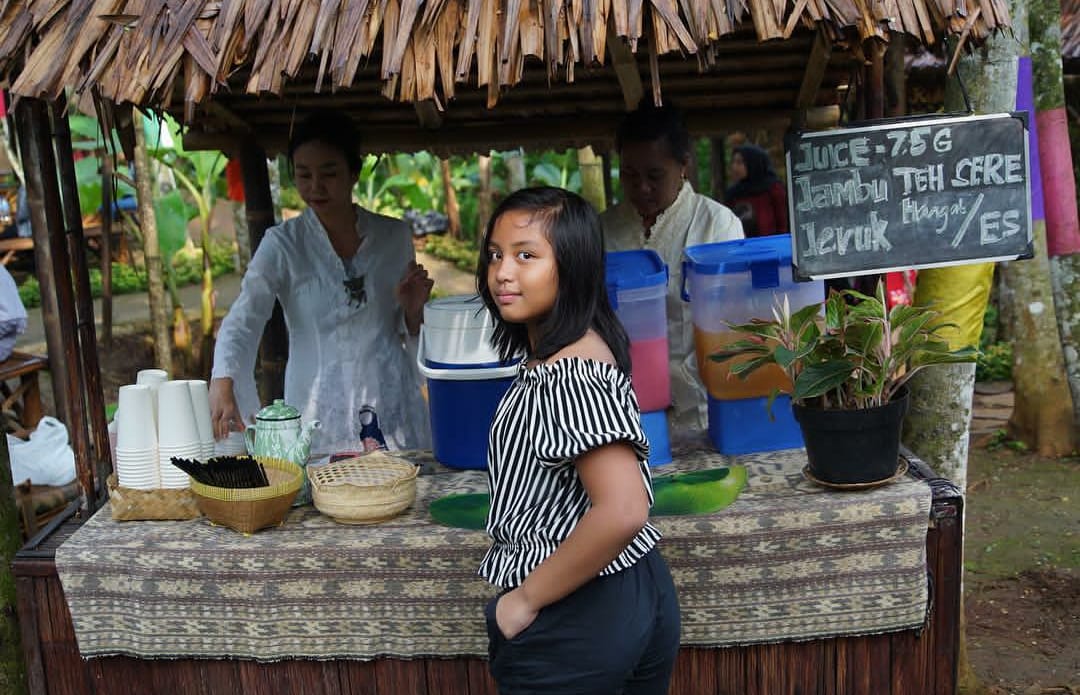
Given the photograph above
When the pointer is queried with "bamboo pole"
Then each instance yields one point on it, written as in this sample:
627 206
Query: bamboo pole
274 348
453 213
84 304
43 196
144 191
106 248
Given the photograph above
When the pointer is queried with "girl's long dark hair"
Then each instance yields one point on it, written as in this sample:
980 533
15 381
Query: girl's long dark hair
574 232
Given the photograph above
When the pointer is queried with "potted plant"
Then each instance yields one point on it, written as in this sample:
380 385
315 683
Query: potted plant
848 371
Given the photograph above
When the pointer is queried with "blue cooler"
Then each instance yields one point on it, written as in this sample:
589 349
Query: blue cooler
736 281
465 378
656 431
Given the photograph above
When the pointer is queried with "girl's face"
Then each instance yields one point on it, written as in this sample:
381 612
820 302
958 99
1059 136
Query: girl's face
738 168
522 274
651 177
323 178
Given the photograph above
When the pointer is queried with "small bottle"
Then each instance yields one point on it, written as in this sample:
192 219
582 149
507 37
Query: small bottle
371 436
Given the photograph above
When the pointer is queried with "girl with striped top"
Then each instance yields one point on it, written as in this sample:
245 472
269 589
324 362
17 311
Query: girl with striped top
588 605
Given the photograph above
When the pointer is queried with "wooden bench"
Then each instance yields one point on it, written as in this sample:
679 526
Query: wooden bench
21 404
12 246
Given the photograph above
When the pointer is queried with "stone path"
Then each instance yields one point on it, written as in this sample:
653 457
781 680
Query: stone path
992 408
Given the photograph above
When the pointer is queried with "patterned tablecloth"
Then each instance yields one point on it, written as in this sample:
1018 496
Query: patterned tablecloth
787 561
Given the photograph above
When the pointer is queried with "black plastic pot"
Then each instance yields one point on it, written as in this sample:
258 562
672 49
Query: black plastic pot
853 446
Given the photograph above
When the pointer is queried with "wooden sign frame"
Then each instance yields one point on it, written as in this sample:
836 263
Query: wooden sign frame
912 173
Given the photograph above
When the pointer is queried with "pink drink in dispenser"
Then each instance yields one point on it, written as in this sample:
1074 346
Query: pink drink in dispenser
637 288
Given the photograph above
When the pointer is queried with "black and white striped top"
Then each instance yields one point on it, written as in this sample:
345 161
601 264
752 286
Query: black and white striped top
552 414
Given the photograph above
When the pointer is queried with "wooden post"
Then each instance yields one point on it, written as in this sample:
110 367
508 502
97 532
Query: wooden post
609 188
274 348
43 196
50 318
896 75
84 302
875 80
155 291
592 178
106 248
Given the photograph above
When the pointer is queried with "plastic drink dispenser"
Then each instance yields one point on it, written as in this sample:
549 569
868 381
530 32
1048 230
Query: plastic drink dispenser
637 289
734 282
465 378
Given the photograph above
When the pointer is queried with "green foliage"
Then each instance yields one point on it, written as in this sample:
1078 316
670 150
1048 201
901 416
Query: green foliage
30 292
172 214
858 357
290 198
995 363
186 266
463 254
995 357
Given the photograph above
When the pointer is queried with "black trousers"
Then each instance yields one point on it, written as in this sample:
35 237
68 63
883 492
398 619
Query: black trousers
616 635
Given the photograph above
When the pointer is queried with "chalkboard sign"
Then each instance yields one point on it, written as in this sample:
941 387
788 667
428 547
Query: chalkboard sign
909 193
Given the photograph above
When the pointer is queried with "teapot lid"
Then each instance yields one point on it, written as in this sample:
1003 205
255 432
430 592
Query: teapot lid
278 410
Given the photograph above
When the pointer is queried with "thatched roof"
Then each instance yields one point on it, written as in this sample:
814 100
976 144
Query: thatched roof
178 54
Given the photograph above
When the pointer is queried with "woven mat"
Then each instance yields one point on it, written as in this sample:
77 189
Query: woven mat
787 561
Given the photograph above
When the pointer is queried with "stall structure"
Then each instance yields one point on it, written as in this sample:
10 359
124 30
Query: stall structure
449 76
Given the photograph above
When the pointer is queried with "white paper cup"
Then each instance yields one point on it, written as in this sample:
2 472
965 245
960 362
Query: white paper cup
152 378
176 416
200 402
136 430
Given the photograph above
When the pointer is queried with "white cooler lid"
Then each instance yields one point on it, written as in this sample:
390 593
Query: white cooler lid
460 312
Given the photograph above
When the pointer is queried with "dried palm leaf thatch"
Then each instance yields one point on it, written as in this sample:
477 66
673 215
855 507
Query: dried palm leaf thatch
147 51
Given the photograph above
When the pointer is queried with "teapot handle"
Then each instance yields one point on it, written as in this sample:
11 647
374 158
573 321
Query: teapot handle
249 439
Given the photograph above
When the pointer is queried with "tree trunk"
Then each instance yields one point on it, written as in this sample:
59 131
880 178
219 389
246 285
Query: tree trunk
159 318
515 166
11 657
453 213
592 178
483 201
941 402
243 238
1042 412
1058 184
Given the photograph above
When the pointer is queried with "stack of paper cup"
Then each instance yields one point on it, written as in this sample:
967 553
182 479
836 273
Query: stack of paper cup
152 378
136 439
178 432
200 401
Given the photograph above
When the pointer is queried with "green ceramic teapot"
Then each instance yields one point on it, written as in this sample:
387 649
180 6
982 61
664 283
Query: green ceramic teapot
278 433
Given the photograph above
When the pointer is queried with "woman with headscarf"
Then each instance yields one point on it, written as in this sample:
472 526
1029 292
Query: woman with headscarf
757 195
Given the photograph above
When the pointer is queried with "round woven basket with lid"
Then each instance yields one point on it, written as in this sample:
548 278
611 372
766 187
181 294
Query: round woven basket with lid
364 490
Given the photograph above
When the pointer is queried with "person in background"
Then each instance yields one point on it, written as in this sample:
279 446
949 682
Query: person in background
353 298
12 314
587 603
661 211
757 195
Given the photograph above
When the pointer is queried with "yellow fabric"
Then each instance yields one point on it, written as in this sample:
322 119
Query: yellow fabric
960 293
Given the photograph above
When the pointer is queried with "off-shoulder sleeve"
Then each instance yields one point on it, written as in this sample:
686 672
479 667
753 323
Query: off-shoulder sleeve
584 405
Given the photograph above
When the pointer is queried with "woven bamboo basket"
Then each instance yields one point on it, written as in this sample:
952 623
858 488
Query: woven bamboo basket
249 509
129 504
365 489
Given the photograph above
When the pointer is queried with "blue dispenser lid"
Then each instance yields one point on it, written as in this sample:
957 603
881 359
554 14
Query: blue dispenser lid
630 270
761 256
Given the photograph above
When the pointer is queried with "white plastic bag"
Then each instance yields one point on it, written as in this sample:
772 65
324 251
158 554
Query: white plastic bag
46 458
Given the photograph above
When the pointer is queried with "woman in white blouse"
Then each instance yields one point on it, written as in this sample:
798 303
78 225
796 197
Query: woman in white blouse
353 298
